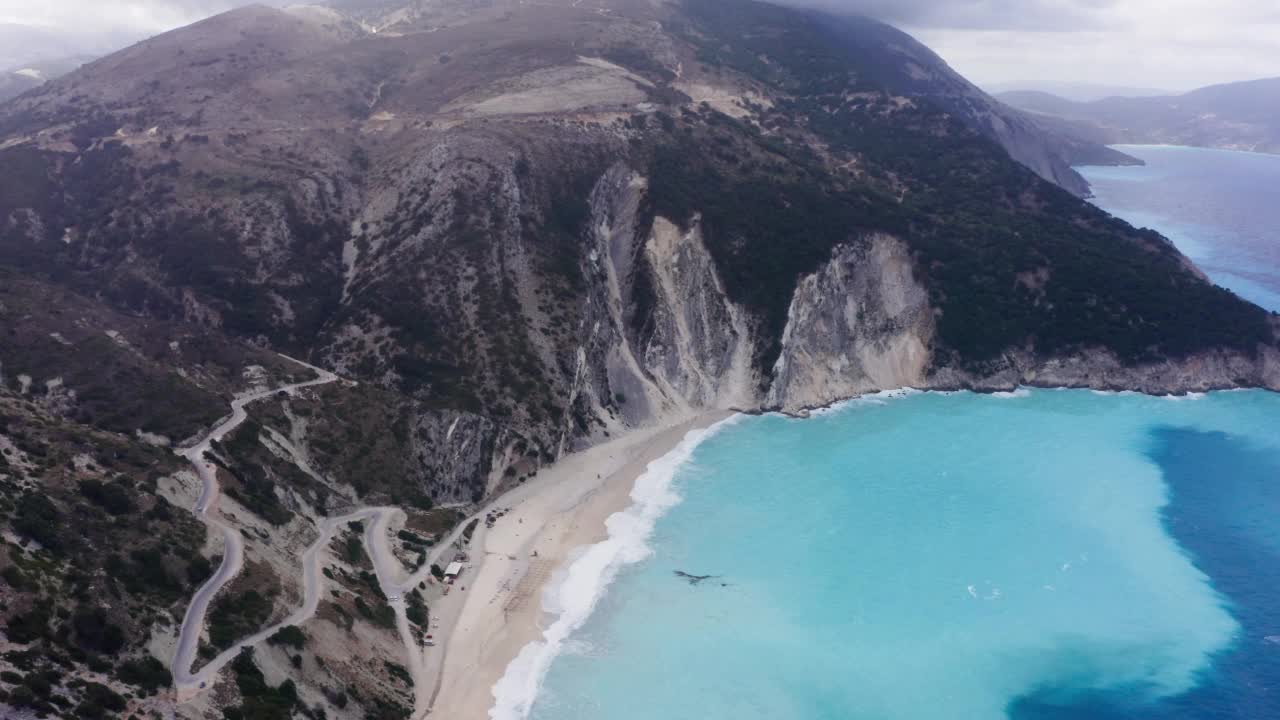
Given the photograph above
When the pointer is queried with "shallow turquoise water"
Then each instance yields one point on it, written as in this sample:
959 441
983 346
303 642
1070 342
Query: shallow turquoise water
1054 554
1219 207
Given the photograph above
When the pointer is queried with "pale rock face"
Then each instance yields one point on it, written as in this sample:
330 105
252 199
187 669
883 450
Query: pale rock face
697 349
702 344
615 204
861 323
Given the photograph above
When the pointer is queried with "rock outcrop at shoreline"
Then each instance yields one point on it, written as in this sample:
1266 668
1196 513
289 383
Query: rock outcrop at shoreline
863 324
1101 370
627 216
860 324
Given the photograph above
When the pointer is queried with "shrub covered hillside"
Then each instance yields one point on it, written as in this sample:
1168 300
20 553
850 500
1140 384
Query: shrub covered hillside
1011 261
96 558
431 231
511 230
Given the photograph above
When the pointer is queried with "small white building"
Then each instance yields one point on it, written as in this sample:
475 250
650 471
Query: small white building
453 571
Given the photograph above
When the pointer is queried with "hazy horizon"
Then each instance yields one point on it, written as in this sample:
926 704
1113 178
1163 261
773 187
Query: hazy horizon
1144 45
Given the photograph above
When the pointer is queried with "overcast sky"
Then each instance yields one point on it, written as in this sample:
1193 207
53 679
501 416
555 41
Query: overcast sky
1174 44
88 16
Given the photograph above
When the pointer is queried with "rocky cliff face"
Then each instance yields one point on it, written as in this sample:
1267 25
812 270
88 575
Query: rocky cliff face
701 342
514 230
661 338
863 323
860 324
575 228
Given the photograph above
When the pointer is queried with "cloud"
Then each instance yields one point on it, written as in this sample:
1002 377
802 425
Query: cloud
89 17
1172 44
1037 15
160 15
33 31
1175 44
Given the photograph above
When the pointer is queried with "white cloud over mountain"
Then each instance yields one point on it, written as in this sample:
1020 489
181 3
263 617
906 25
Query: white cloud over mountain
1176 44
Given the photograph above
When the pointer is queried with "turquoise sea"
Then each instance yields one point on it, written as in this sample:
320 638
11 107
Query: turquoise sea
1219 207
1037 555
1033 555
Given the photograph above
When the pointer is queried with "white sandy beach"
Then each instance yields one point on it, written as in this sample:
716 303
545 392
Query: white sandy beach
484 627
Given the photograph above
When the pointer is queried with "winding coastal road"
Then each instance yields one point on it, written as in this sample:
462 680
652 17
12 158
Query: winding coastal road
390 573
232 543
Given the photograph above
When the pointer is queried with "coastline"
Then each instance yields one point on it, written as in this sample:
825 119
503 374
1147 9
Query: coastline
655 642
805 412
1174 146
497 609
555 515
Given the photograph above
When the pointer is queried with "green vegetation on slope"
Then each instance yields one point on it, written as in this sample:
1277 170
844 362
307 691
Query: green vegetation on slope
768 210
1011 261
259 701
85 579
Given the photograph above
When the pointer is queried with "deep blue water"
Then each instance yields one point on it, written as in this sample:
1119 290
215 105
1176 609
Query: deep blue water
1044 555
1221 208
1225 511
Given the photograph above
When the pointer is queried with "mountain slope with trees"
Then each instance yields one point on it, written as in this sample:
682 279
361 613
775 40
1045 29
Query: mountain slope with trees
514 230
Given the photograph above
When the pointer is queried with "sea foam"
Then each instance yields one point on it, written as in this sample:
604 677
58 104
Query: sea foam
588 576
936 556
881 397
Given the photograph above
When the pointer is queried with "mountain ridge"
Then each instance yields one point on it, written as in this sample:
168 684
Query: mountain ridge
1229 116
920 71
515 232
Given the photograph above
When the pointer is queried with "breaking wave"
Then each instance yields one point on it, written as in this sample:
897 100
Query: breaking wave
584 582
881 397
